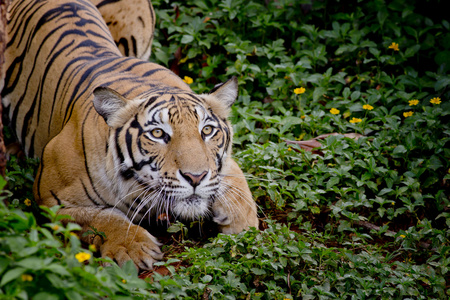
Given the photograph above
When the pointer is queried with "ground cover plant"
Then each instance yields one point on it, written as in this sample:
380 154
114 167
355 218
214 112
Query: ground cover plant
356 218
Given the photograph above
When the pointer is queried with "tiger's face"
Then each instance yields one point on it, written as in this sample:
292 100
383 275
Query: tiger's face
169 151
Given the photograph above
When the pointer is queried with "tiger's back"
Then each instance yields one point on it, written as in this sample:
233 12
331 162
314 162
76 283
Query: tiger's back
119 138
76 54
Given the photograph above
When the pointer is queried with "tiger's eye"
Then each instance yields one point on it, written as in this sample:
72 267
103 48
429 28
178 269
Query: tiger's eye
207 130
157 133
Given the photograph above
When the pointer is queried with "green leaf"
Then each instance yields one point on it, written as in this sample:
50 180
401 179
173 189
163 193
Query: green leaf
443 81
73 295
400 149
11 275
258 271
186 39
384 191
332 182
35 263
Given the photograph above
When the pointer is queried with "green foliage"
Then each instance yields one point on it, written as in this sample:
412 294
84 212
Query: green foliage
363 218
20 177
43 262
282 264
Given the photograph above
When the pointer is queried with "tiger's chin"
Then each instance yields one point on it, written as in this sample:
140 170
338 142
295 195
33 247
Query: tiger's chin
191 208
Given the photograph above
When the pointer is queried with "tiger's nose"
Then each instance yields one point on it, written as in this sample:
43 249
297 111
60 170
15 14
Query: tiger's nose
193 179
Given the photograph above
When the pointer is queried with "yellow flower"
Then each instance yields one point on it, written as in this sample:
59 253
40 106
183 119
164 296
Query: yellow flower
188 79
413 102
27 202
436 100
124 281
367 107
402 236
334 111
82 256
289 149
55 227
394 46
408 114
300 90
27 277
355 120
92 248
302 117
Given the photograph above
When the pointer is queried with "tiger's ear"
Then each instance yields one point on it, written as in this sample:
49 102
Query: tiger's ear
112 106
226 92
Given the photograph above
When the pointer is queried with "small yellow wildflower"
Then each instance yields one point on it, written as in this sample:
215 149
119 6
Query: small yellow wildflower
393 203
299 90
302 117
435 100
27 202
413 102
188 79
334 111
289 149
367 107
27 277
55 227
402 236
408 114
355 120
82 256
394 46
124 281
92 248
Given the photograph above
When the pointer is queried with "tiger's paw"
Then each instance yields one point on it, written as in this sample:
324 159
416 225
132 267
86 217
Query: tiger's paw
135 244
233 219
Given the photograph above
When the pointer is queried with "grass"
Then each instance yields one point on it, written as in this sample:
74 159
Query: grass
364 218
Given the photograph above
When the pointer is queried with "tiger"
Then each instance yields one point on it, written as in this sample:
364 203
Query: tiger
120 139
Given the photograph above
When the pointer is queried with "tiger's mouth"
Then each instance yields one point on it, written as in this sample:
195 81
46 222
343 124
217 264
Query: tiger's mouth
191 207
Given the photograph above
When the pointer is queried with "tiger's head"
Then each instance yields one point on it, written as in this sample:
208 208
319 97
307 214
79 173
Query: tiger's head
167 149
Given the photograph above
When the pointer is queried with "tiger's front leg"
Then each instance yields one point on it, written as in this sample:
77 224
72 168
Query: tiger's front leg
234 209
123 240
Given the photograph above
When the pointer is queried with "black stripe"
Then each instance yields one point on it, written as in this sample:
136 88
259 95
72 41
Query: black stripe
152 101
116 138
87 194
129 143
86 166
31 146
106 2
133 42
124 43
56 197
152 72
37 180
127 174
